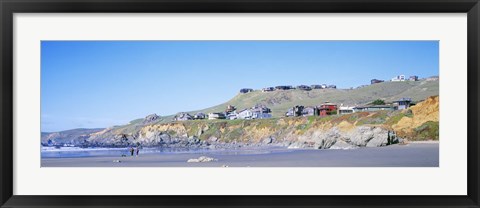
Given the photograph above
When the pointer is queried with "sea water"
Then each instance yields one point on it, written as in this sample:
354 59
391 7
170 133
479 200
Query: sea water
73 152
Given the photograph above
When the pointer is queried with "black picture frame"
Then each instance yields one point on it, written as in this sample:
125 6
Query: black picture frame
9 7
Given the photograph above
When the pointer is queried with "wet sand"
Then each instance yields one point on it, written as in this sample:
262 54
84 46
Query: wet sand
410 155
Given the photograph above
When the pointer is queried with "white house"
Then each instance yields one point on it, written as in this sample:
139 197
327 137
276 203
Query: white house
399 78
232 116
346 110
212 116
245 114
252 114
260 115
182 117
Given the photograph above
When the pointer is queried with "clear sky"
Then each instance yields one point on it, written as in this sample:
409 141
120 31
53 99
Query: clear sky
90 84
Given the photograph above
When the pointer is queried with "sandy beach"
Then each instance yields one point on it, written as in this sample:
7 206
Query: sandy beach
410 155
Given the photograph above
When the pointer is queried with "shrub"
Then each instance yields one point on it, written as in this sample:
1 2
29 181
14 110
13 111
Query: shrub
378 102
409 113
427 131
395 119
378 117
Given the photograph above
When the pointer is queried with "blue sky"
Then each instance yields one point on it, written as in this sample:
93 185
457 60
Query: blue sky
89 84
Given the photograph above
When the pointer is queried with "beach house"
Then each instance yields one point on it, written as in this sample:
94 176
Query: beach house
245 114
304 87
346 109
327 109
268 89
260 115
229 109
370 108
213 116
232 116
199 115
310 111
403 103
316 86
283 87
375 81
399 78
183 117
295 111
246 90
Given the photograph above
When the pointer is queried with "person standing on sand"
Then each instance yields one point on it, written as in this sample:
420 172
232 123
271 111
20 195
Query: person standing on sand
131 151
138 150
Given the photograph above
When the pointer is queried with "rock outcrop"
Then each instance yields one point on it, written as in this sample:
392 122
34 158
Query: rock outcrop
151 118
363 136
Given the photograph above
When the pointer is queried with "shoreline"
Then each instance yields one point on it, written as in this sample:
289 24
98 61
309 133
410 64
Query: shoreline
423 142
409 155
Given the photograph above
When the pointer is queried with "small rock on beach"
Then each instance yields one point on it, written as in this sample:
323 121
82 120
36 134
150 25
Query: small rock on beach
202 159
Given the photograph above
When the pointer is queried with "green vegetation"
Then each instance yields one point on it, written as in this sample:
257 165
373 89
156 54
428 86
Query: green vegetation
136 121
235 134
409 113
193 128
351 118
427 131
378 102
396 116
172 133
378 117
266 123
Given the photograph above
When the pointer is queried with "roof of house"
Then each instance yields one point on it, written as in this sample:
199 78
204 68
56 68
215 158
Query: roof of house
404 99
374 106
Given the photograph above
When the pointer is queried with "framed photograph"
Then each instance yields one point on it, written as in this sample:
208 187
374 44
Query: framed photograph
247 104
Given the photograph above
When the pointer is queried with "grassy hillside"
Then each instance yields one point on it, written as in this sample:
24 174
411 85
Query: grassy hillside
280 101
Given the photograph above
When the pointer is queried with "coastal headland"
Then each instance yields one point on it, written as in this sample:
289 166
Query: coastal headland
360 129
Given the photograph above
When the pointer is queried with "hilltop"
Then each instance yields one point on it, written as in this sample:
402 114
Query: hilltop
280 100
412 124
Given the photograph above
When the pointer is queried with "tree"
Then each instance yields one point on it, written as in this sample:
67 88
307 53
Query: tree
378 102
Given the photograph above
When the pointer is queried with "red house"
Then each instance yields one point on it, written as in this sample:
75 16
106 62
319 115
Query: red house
327 109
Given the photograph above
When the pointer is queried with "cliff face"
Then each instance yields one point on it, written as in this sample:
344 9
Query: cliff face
424 125
313 132
340 131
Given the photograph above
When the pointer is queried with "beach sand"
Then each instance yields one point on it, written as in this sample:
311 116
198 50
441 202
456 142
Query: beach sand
410 155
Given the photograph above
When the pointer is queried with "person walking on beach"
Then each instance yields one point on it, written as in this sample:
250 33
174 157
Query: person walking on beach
138 150
131 151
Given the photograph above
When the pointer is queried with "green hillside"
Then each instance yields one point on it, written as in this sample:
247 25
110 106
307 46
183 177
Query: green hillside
280 101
